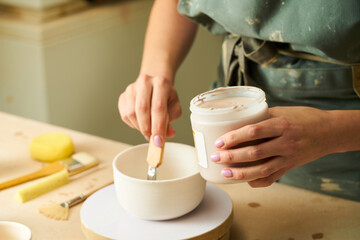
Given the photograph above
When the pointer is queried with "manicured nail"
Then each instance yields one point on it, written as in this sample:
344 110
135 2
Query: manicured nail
147 138
219 143
215 157
226 173
157 140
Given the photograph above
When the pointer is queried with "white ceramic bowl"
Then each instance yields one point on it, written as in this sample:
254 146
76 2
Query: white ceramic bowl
179 188
14 231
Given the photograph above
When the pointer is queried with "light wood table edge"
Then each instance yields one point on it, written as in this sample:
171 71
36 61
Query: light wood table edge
221 232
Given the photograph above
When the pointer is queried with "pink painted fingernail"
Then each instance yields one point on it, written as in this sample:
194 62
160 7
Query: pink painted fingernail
147 138
158 141
215 157
219 143
226 173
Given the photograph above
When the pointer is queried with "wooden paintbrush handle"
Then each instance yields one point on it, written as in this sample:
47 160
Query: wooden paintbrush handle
19 180
155 153
82 197
44 171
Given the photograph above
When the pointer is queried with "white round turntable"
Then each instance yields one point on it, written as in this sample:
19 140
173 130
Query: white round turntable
102 217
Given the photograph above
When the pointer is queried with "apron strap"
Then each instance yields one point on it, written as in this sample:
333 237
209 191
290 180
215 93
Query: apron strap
237 50
230 63
259 51
356 78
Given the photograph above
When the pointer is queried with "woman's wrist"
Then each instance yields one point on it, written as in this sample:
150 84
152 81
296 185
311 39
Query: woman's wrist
345 130
158 70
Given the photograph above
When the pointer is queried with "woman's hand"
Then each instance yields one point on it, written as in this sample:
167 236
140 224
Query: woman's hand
145 104
292 136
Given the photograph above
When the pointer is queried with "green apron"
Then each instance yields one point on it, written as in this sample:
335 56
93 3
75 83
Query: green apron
301 53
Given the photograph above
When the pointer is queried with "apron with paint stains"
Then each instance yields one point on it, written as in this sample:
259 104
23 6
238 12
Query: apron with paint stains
301 53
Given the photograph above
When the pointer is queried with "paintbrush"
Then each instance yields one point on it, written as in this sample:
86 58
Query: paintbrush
78 162
155 155
61 211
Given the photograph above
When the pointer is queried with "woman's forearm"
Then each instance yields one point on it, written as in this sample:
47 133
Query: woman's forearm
168 39
345 130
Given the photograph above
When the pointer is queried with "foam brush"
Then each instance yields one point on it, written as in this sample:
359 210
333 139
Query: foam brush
78 162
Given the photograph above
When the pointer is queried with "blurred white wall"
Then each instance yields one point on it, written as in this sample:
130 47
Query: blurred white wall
71 71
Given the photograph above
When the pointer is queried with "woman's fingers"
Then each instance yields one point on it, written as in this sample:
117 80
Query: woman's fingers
174 107
159 109
130 106
174 111
267 181
143 105
260 176
170 132
122 105
267 149
260 170
269 128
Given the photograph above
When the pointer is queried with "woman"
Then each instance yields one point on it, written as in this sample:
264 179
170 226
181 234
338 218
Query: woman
304 54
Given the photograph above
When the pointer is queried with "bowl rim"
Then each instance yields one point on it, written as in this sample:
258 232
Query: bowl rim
23 227
151 181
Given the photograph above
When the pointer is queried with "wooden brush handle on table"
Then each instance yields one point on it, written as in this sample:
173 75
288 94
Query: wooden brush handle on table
43 172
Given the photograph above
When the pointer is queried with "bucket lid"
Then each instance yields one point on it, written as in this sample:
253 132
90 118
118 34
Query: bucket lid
256 94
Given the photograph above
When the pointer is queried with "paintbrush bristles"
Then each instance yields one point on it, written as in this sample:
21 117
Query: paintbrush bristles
61 211
55 211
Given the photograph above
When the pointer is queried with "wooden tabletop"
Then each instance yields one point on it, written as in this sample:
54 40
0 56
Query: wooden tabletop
275 212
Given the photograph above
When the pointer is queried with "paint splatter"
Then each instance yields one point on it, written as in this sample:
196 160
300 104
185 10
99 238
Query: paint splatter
276 36
90 186
316 200
283 81
296 85
254 205
330 28
249 21
328 186
317 236
295 74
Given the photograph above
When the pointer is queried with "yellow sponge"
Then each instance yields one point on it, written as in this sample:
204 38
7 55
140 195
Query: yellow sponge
50 147
42 186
